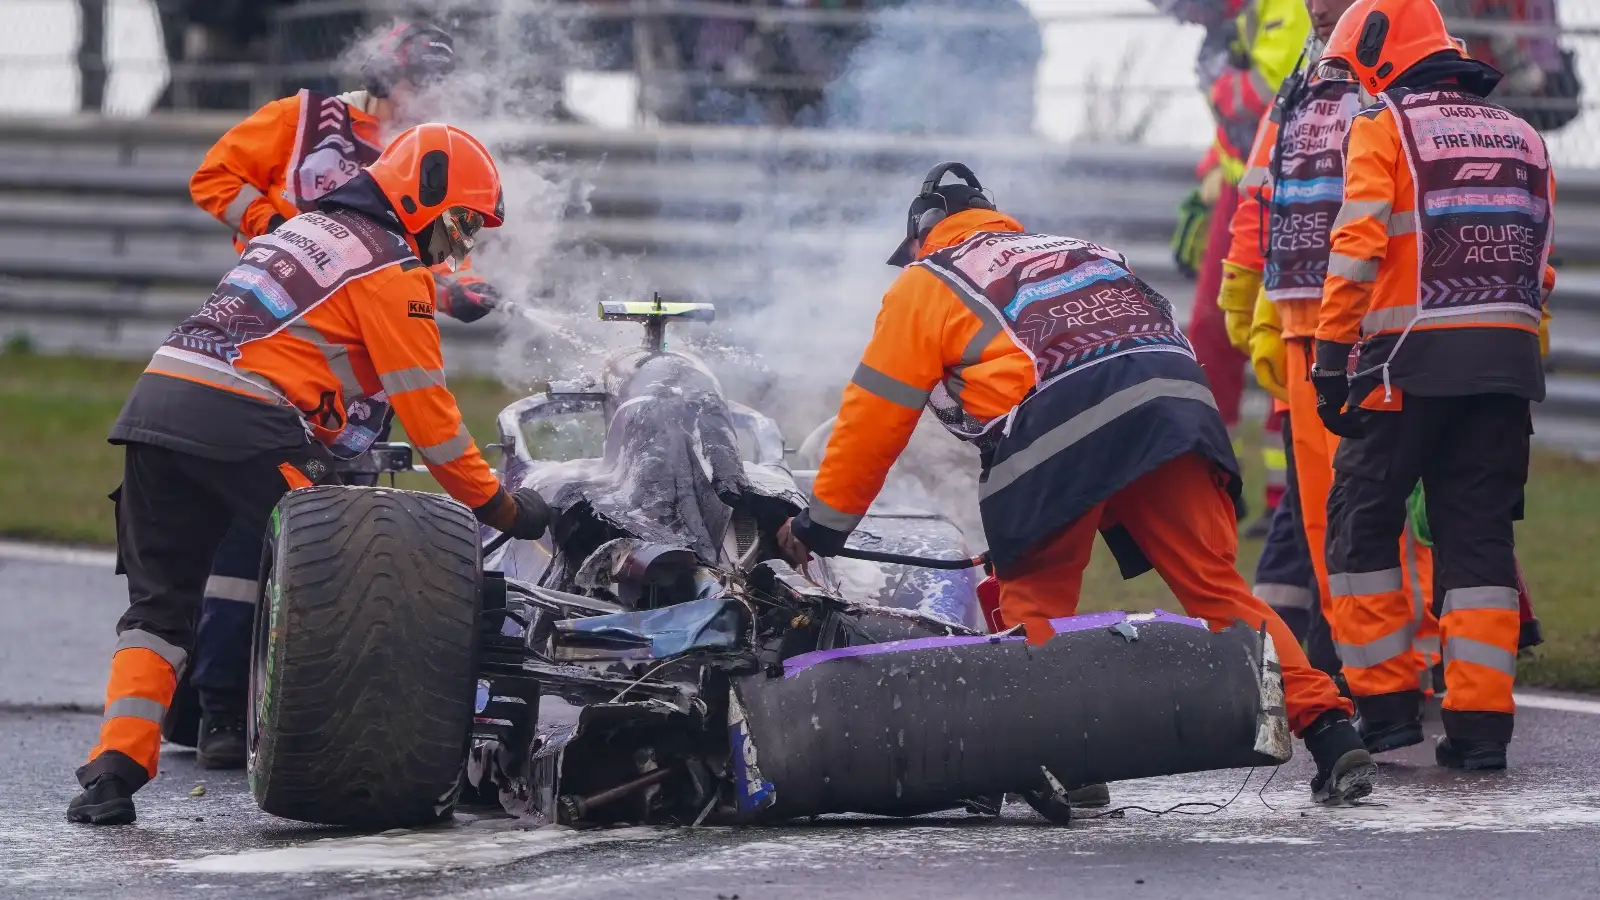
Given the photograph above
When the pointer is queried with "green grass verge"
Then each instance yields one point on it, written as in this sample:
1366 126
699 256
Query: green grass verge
1556 546
56 469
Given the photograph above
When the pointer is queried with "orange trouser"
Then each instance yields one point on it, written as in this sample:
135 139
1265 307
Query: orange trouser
1400 640
1184 523
143 679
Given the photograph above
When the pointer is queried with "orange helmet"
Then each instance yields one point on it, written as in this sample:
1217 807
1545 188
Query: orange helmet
433 169
1380 39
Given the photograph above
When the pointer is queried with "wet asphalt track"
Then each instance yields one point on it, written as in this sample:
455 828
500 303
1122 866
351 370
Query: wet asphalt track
1533 832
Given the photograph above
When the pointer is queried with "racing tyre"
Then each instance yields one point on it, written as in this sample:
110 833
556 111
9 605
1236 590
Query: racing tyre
363 665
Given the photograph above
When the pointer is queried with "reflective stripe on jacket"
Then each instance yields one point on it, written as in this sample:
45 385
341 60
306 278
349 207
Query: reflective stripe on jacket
339 358
925 337
989 309
243 180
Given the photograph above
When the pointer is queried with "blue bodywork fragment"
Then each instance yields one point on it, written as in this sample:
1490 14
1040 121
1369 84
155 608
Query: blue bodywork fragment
710 624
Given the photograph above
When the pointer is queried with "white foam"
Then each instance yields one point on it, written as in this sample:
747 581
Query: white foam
859 580
471 846
1220 838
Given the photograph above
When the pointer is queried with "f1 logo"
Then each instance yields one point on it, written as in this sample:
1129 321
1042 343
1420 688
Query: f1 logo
1485 171
259 254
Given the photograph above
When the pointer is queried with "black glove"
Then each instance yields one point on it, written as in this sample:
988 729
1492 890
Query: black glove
466 297
524 515
274 222
1332 385
819 539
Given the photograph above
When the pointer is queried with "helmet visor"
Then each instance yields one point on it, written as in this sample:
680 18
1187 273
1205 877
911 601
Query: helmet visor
459 226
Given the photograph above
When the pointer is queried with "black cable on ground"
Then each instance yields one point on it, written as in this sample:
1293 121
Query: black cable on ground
1181 808
1262 794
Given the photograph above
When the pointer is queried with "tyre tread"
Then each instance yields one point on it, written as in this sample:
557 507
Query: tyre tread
377 642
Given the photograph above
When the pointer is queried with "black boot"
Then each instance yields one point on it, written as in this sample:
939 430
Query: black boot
1056 803
1473 756
1391 721
1090 796
221 741
107 800
1344 767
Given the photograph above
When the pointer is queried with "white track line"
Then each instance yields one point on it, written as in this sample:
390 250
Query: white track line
65 556
1563 704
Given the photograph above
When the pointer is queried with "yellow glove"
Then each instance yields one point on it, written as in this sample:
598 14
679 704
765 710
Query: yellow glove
1268 355
1237 300
1544 333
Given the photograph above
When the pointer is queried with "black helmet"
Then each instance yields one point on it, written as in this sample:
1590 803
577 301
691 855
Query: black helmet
417 53
935 202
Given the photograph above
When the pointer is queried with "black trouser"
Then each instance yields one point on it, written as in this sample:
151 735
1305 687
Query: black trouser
220 663
172 512
220 669
1471 454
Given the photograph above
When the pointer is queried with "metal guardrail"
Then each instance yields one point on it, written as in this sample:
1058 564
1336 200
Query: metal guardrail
101 249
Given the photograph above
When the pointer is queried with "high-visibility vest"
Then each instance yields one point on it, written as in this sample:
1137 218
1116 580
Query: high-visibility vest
1483 215
327 151
1068 303
1117 389
1307 190
280 278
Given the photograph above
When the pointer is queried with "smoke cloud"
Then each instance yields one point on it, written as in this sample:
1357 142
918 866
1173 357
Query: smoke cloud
813 235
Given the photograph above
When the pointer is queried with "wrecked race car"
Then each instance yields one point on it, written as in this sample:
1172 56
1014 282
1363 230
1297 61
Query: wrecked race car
652 659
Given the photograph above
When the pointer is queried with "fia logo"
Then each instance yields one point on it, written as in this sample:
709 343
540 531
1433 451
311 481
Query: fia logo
1326 164
259 254
1522 174
283 268
1475 171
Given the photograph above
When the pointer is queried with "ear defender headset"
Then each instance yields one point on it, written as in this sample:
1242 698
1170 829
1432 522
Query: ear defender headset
1369 50
937 202
418 53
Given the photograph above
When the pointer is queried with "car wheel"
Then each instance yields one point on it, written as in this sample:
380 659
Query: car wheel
363 664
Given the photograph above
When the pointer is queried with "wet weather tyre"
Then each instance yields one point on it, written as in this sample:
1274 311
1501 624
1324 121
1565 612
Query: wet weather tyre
363 664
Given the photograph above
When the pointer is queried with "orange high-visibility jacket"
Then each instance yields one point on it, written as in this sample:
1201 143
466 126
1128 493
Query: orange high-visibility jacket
376 333
1255 198
924 336
1373 265
242 180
